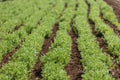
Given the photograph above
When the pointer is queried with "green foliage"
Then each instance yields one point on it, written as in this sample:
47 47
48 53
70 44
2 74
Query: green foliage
22 62
110 37
12 71
57 58
94 61
96 64
108 13
54 72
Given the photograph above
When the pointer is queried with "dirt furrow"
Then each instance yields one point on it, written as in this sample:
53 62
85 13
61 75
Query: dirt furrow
8 56
74 67
17 27
115 29
36 72
99 37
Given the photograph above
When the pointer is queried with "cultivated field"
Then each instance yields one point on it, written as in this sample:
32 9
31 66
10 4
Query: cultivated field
59 39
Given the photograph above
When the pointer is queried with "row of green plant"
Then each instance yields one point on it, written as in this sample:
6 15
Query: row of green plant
54 62
10 41
96 64
21 19
16 10
109 36
23 61
108 13
11 10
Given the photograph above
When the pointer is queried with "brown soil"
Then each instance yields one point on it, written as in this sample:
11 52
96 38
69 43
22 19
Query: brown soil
17 27
102 44
115 29
99 37
8 56
116 7
36 72
74 68
116 71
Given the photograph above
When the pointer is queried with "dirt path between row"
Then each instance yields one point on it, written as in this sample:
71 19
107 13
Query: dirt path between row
9 55
36 73
74 68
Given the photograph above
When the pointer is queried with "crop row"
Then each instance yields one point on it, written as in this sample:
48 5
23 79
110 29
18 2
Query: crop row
38 19
15 11
22 62
108 13
22 13
57 58
12 40
24 18
95 63
110 37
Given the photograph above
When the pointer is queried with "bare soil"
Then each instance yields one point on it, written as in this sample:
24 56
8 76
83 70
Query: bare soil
17 27
99 37
74 67
8 56
36 72
115 29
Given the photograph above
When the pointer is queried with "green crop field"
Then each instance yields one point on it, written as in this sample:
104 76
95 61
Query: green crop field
59 40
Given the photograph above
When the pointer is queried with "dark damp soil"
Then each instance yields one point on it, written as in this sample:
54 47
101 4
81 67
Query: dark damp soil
99 37
8 56
116 71
17 27
115 29
36 72
74 67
